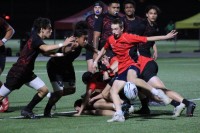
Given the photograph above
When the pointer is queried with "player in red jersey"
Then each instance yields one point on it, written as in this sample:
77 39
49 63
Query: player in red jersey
128 69
94 85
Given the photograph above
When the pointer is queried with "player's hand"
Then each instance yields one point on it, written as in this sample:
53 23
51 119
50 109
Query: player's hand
171 34
155 55
69 40
91 100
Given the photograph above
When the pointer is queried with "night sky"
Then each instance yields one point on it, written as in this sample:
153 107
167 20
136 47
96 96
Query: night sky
23 12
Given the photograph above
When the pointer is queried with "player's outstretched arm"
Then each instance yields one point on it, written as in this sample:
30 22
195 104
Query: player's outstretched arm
170 35
50 47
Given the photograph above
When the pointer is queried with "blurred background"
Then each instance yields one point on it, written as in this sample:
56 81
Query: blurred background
21 13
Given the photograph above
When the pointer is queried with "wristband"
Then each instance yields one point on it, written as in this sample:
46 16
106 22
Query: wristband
95 62
4 40
60 45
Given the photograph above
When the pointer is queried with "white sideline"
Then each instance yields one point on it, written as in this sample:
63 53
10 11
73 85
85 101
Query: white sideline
197 99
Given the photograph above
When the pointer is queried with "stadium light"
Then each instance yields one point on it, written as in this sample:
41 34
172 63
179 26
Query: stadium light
7 17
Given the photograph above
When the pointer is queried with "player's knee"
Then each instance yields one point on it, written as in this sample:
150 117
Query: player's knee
43 91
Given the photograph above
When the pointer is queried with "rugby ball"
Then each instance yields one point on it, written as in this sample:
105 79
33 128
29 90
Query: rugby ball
130 91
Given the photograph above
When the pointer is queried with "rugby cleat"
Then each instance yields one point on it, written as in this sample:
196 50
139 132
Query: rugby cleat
190 109
117 118
28 114
125 109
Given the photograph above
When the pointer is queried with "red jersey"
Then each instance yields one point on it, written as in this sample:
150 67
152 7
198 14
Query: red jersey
121 47
96 85
143 60
96 82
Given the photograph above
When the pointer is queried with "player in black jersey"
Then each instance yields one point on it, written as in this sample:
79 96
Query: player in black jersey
102 27
61 70
6 32
132 24
97 11
22 71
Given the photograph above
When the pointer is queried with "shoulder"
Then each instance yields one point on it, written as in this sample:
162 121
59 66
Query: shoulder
90 16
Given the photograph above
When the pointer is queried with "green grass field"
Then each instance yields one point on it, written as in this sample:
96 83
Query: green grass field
179 74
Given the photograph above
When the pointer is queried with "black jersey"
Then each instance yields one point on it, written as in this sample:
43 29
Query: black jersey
103 25
151 30
91 21
136 26
68 58
25 63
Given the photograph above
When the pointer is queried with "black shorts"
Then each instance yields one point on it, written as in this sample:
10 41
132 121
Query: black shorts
150 70
2 57
62 73
13 83
89 55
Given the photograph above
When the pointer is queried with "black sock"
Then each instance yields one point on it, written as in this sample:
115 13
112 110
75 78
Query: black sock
175 103
186 102
144 102
52 100
36 99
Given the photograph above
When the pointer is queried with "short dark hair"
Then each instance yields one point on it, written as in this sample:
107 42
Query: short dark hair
78 103
118 21
129 2
81 28
149 7
113 1
86 77
40 23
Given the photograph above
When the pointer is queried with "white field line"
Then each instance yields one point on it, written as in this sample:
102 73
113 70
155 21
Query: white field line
197 99
40 115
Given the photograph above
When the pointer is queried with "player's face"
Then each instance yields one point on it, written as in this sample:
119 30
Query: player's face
98 10
129 9
114 8
152 15
116 30
47 32
105 60
83 40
